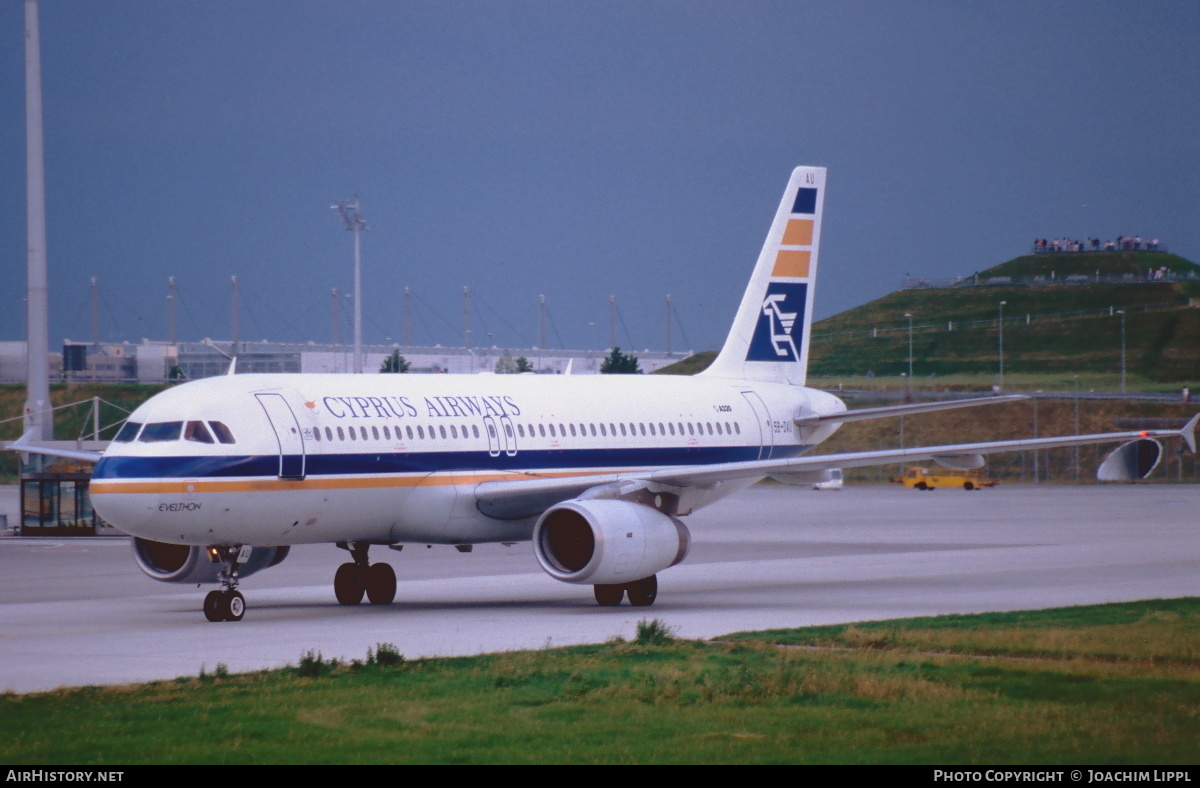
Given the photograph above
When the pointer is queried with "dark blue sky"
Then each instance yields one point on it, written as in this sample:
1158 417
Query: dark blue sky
577 150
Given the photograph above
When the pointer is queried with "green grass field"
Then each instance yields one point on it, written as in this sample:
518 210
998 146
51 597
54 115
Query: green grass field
1111 684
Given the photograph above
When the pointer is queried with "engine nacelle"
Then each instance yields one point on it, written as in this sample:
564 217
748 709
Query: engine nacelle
1131 461
602 541
181 563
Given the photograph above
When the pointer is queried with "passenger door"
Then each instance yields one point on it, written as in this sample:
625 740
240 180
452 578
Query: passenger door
287 435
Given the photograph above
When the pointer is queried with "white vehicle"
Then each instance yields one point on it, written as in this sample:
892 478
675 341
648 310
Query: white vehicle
834 482
215 478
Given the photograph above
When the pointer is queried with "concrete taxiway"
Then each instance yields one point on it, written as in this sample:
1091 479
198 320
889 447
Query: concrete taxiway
77 611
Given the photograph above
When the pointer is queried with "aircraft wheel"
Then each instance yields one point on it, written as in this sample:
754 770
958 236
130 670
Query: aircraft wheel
968 486
922 486
608 595
381 584
212 606
348 584
642 593
233 605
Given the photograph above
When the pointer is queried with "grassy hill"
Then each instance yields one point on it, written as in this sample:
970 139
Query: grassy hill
1050 326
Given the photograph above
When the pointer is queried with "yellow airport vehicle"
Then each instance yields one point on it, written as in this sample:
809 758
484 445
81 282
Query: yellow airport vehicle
925 479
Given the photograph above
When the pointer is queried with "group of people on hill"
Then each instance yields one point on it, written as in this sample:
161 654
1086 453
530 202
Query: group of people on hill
1123 243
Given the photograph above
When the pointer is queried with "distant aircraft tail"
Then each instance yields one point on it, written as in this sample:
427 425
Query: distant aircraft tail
770 334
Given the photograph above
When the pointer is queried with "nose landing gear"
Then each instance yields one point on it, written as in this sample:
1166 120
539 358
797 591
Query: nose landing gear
228 604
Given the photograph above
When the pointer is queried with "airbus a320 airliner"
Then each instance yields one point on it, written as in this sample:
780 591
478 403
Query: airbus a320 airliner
216 478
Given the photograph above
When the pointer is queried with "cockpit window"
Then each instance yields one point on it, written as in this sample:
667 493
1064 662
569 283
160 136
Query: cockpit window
161 431
128 432
222 432
196 431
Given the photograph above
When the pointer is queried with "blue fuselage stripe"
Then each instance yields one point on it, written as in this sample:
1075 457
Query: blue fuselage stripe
194 467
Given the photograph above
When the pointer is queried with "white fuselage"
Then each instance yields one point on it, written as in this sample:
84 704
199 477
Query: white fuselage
397 458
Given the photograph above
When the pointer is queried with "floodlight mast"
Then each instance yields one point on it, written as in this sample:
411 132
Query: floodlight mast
38 416
348 211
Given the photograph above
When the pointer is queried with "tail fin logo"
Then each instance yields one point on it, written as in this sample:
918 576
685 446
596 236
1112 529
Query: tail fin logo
779 324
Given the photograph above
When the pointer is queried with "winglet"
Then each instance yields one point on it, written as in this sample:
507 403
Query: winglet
1188 433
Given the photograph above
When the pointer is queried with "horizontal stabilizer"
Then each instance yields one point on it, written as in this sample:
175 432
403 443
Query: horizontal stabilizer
862 414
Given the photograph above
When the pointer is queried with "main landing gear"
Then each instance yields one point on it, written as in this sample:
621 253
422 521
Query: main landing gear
352 580
228 604
642 593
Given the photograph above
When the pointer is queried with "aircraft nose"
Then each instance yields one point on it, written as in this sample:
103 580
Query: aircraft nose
127 505
127 511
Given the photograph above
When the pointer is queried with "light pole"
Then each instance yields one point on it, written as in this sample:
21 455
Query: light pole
1000 323
1076 453
348 211
1121 312
910 355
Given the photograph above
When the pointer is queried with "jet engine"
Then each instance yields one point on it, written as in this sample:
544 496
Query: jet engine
181 563
1130 461
604 541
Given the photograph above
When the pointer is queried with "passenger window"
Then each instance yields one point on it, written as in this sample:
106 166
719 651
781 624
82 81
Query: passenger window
222 432
521 430
420 432
593 428
708 426
552 435
442 429
642 428
690 430
661 431
328 434
603 431
652 428
162 431
623 429
672 426
317 434
409 431
353 434
573 431
508 430
475 430
341 435
542 430
737 428
374 433
453 431
128 432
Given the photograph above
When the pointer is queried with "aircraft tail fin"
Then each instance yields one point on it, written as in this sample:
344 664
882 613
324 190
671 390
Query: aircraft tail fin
770 334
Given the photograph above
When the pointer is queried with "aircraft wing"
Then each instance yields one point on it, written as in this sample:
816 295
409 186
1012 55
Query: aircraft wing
27 445
530 497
